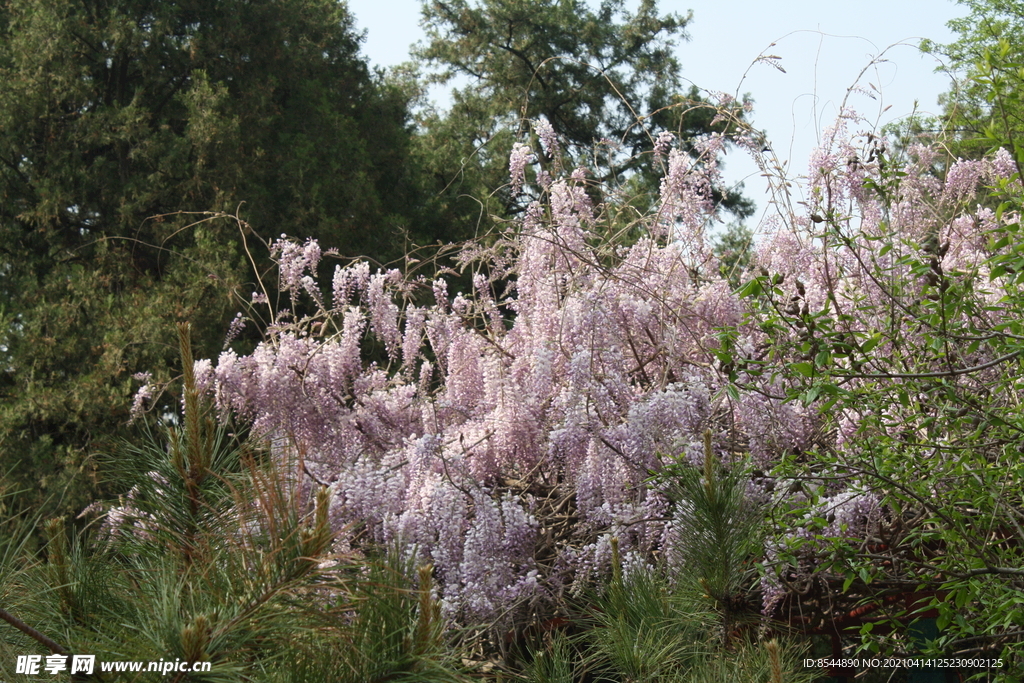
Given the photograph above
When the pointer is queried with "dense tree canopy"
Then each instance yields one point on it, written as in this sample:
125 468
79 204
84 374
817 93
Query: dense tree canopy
115 112
116 116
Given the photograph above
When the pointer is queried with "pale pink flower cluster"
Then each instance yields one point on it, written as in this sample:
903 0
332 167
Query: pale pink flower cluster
601 374
520 157
234 329
572 380
687 203
548 139
663 144
294 261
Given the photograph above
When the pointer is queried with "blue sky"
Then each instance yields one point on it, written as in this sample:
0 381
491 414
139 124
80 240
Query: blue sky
823 47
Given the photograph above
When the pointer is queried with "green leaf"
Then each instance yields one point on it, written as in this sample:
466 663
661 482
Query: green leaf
868 344
805 369
752 288
829 404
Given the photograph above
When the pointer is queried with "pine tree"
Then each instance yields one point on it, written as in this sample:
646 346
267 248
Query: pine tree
603 81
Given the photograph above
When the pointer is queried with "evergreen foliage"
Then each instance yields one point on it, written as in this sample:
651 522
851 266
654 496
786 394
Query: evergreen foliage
650 628
219 554
119 121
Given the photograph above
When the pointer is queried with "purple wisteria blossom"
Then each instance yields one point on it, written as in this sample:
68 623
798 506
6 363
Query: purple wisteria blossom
520 157
452 424
548 139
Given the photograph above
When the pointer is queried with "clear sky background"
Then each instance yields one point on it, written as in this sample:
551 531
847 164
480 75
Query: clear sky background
823 47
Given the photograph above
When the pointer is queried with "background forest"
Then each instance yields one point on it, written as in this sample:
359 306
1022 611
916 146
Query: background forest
311 380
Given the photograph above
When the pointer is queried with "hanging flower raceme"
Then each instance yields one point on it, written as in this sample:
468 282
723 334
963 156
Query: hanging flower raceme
503 433
520 157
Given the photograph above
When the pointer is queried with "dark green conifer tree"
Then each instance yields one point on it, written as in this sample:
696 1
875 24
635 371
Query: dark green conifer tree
116 115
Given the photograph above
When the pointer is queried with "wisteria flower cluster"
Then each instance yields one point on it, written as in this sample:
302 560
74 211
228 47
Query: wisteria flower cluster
505 433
